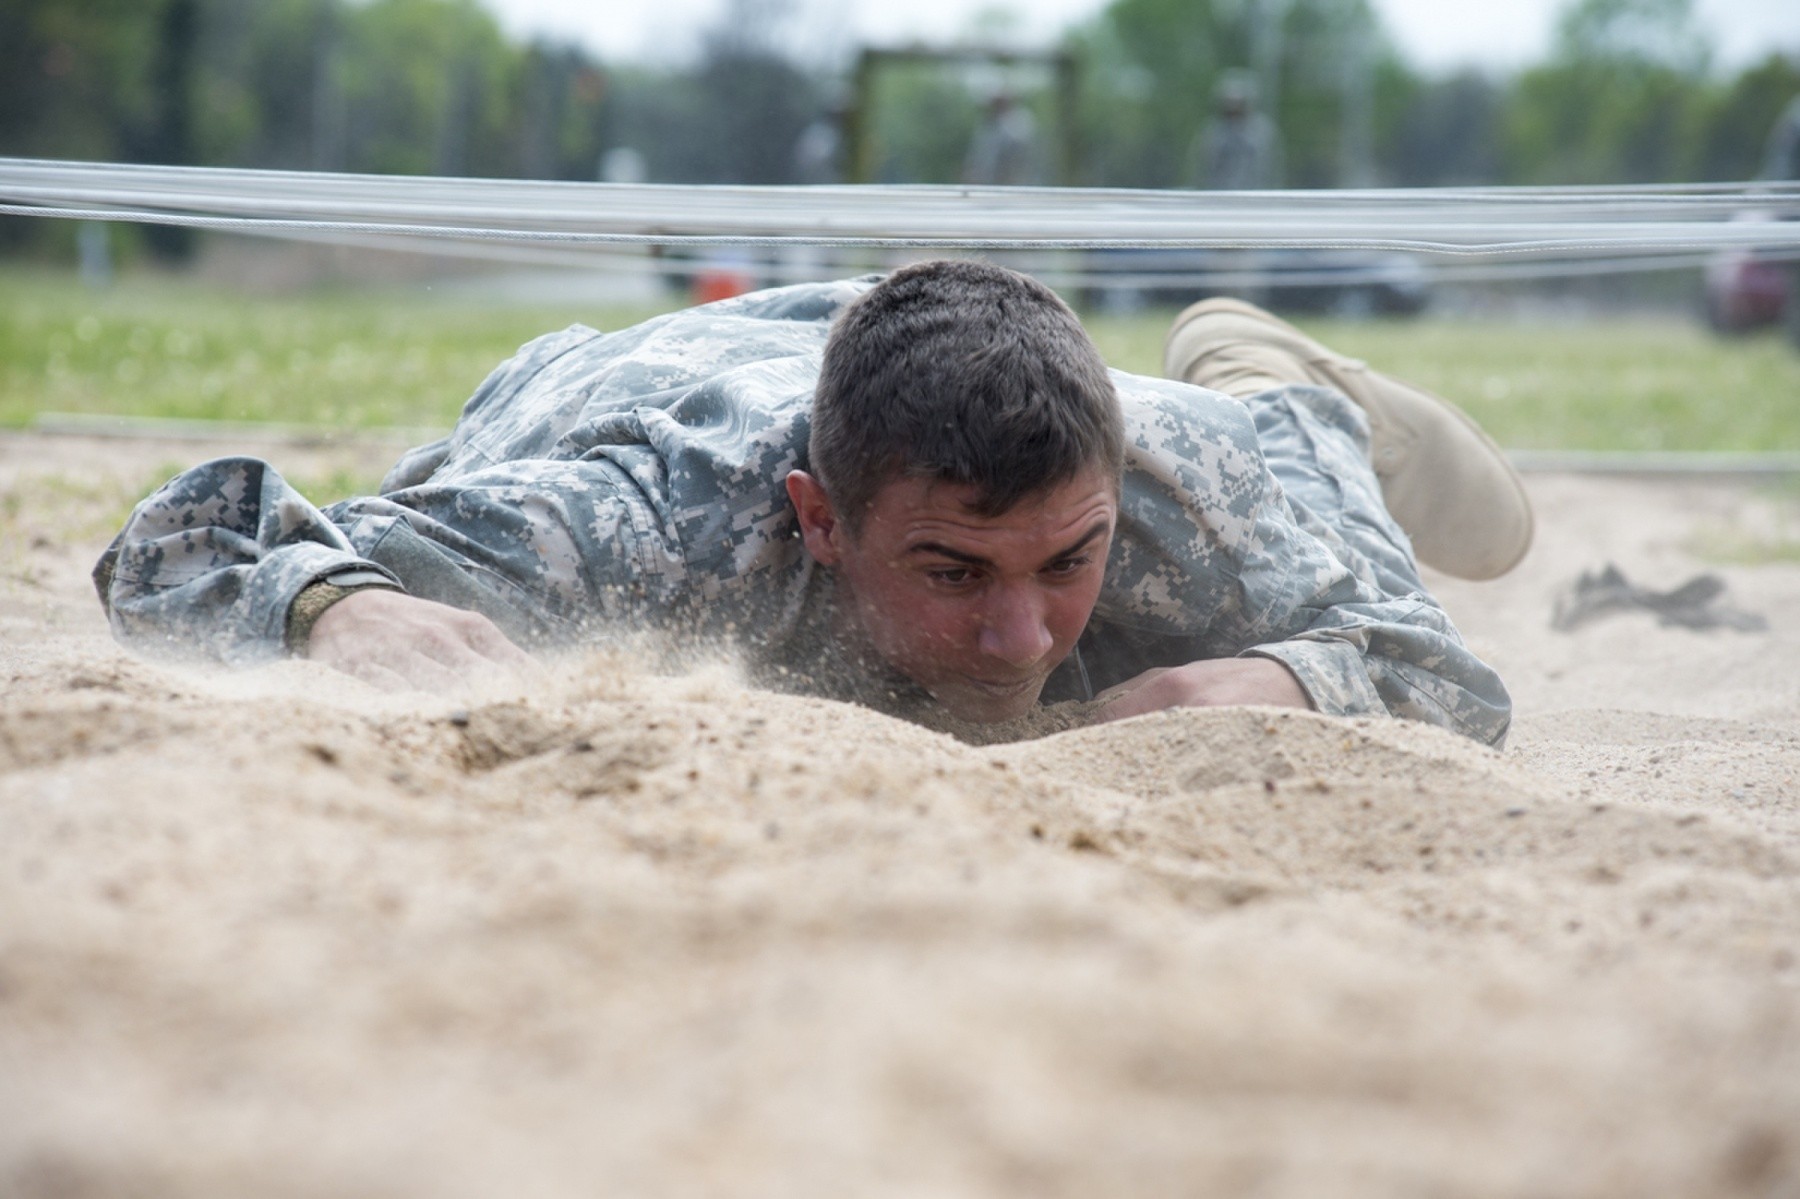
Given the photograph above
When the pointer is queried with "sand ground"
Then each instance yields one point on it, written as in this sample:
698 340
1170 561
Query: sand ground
276 934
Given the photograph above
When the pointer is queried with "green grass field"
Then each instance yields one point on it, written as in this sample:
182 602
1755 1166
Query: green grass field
1637 383
161 347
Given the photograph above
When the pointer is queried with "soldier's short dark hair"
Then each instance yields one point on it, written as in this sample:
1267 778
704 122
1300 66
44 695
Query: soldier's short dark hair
965 372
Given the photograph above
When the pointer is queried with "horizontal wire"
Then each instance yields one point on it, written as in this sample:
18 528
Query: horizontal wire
1204 215
522 193
1638 237
1462 221
1055 270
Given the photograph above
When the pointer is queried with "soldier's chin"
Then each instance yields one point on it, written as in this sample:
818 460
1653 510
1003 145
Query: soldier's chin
979 702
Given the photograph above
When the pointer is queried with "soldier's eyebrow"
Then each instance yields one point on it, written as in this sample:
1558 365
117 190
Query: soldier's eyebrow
941 550
1086 539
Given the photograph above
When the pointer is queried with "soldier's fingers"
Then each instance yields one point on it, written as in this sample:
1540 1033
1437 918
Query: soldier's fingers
1135 683
424 672
1151 691
1124 706
473 646
488 641
421 663
381 677
449 645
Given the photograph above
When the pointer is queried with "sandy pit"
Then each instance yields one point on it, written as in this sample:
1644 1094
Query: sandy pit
277 934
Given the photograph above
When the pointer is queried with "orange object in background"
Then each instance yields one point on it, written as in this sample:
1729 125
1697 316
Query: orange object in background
721 283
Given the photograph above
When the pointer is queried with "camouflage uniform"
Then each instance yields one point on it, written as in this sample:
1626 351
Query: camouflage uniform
598 481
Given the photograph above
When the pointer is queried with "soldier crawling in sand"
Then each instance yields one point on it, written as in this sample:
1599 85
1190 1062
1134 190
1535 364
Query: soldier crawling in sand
923 492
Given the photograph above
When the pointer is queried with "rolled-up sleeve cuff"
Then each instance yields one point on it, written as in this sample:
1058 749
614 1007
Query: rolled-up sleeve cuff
1331 672
278 581
319 596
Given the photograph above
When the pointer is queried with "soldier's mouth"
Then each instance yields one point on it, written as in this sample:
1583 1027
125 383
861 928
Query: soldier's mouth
1001 689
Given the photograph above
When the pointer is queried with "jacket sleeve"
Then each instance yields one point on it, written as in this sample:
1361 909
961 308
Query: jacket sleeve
210 565
211 562
1217 557
1355 623
1396 656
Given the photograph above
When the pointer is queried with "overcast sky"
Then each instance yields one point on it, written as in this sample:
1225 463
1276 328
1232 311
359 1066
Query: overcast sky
1435 34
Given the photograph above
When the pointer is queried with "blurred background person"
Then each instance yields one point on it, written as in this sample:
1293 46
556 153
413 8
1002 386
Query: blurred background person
1240 148
1004 151
1783 158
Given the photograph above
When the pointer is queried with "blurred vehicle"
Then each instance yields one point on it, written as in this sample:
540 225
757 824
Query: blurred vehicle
1745 289
1339 282
1745 292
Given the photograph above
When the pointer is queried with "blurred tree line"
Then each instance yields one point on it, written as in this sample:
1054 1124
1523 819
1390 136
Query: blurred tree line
402 86
1629 93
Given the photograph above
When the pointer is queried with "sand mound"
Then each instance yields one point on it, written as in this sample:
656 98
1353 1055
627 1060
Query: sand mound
274 933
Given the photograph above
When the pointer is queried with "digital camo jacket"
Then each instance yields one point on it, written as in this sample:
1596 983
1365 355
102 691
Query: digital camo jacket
603 480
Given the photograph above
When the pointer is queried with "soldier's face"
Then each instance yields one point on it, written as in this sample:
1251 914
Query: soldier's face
977 609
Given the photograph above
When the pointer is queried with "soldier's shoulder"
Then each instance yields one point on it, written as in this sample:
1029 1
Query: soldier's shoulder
794 302
1170 405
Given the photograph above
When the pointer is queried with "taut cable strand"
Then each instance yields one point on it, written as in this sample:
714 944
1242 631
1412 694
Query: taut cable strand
1484 222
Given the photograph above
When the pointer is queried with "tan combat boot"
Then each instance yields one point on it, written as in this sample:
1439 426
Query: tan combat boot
1445 481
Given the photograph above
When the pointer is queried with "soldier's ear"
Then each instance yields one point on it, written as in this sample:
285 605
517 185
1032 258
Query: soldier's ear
819 527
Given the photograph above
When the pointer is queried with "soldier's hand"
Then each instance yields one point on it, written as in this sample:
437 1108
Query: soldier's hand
1212 683
399 642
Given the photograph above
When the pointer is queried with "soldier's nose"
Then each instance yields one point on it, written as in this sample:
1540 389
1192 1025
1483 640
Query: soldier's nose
1014 630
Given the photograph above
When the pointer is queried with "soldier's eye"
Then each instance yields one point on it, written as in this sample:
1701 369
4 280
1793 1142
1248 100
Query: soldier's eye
955 576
